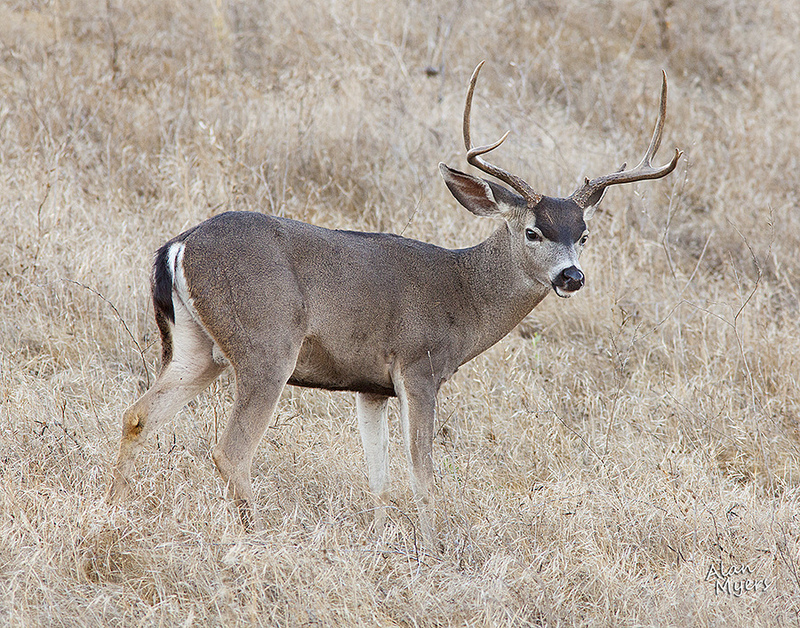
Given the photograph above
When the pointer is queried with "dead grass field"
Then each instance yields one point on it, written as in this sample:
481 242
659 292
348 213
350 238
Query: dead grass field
592 468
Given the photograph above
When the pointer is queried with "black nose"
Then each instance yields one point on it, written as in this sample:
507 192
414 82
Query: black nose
570 279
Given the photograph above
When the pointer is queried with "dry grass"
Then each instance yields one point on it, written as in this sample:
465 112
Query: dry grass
591 467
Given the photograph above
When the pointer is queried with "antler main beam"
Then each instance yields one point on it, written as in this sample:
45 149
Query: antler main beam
644 170
474 153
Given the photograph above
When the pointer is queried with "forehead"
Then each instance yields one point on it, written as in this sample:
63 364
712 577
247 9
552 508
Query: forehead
559 219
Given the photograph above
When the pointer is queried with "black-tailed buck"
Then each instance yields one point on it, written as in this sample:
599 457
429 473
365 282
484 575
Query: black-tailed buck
286 302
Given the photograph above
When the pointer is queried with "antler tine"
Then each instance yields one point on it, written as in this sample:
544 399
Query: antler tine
474 154
644 170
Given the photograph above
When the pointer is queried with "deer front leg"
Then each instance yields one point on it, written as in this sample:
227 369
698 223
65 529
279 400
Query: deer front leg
417 413
373 425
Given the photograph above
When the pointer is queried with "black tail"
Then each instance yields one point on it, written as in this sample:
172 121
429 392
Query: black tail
162 283
161 286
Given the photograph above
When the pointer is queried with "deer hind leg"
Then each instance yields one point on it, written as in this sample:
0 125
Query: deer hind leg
373 425
190 371
259 383
417 414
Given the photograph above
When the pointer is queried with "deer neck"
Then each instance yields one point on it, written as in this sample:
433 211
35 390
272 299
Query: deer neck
500 290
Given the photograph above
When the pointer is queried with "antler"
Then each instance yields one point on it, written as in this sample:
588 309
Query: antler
644 170
474 154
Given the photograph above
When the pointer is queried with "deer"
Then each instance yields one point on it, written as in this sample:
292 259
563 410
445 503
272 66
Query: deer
285 302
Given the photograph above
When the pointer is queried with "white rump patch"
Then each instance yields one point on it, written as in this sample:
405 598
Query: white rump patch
179 284
183 303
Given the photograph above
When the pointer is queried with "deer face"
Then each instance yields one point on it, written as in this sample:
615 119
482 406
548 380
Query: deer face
554 233
547 236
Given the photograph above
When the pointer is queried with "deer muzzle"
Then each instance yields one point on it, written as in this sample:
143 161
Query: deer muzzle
569 281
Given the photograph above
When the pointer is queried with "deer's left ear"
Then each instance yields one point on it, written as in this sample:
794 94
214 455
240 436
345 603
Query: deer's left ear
593 202
480 197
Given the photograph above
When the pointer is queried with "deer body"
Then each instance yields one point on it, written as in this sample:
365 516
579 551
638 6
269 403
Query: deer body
284 302
358 304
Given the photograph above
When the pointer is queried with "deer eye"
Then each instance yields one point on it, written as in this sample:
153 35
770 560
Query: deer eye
532 236
583 239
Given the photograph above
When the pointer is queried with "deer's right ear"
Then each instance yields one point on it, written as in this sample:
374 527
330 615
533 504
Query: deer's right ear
472 192
477 195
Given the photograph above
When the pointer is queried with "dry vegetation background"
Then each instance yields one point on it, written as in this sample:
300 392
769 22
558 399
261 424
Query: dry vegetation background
591 467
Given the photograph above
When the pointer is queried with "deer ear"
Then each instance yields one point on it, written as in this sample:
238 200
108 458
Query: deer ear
472 192
479 196
593 202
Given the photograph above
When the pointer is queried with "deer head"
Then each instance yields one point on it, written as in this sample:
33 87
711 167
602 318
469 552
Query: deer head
548 233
